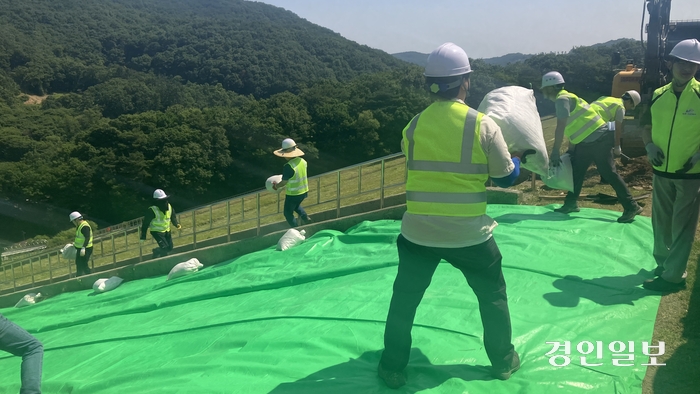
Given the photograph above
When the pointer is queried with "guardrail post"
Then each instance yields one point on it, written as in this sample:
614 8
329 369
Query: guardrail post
337 203
211 217
50 272
228 220
114 254
14 280
140 246
194 230
31 270
126 240
258 208
381 188
318 190
359 180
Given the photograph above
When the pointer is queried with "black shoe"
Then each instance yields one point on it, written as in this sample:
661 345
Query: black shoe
393 379
503 373
662 285
307 219
567 209
628 216
659 270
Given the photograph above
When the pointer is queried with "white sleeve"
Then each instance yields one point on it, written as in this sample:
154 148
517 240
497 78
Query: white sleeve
495 148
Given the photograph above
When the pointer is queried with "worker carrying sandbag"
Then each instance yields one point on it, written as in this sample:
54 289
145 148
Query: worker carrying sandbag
82 243
157 219
591 141
295 180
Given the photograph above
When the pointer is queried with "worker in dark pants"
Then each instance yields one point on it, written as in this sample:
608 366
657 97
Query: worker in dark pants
18 342
451 151
82 243
295 180
157 220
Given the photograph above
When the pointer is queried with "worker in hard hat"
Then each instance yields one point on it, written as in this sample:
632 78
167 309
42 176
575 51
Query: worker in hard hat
17 341
613 109
672 139
591 141
295 180
82 243
451 150
158 218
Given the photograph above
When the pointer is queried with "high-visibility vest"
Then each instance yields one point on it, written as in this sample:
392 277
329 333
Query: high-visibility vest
583 120
447 168
161 223
607 107
298 184
675 125
80 238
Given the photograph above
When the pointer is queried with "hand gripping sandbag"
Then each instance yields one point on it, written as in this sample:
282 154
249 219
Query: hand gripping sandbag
29 299
562 176
270 180
68 252
514 110
291 238
185 268
102 285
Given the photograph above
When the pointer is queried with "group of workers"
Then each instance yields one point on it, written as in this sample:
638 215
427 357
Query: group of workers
451 150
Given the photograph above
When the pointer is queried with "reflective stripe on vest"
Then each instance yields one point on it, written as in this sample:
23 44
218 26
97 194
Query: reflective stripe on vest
447 168
675 125
582 121
298 184
161 223
607 107
80 238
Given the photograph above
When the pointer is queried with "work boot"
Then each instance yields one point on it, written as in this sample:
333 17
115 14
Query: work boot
307 219
659 270
567 209
393 379
504 372
628 215
664 286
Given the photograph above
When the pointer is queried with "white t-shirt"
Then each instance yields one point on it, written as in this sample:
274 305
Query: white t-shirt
460 232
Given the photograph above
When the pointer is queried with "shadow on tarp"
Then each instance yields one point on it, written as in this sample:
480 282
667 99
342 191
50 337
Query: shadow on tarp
680 374
606 290
359 375
511 218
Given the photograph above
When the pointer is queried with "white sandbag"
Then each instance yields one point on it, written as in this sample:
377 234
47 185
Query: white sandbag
291 238
68 252
562 176
270 180
185 268
514 110
102 285
29 299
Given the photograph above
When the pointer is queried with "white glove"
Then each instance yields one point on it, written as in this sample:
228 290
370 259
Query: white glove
82 252
694 159
617 151
654 154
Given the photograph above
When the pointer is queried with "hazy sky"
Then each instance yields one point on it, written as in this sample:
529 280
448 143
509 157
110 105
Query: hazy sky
484 28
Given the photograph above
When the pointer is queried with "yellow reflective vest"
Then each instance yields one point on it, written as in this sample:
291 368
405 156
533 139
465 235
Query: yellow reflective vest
447 168
298 184
80 238
607 107
675 125
583 120
161 222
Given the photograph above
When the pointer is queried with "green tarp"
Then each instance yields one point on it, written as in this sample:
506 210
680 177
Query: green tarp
311 319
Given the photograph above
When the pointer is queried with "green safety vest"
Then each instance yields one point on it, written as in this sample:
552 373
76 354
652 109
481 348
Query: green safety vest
583 120
607 107
161 223
298 184
675 125
80 238
447 168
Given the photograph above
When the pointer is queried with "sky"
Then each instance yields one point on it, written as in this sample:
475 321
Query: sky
484 28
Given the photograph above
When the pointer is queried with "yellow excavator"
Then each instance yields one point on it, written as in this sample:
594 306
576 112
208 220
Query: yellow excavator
662 35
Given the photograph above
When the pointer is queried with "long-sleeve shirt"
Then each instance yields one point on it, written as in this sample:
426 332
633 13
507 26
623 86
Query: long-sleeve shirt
86 233
150 215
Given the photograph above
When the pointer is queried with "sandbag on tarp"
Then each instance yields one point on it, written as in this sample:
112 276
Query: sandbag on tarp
514 110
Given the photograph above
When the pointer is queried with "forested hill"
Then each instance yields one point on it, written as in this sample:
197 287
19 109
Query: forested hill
247 47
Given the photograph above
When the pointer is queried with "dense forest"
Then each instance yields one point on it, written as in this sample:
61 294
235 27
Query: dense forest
193 96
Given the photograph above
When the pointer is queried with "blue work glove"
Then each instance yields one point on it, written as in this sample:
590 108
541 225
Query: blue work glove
694 159
654 154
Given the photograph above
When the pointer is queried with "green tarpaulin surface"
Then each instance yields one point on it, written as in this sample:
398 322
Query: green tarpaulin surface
311 319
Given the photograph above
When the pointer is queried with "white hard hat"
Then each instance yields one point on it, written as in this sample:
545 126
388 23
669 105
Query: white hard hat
552 78
159 194
688 50
634 95
74 215
289 149
448 60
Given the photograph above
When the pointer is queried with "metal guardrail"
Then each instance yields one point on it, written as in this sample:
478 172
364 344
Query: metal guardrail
369 181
